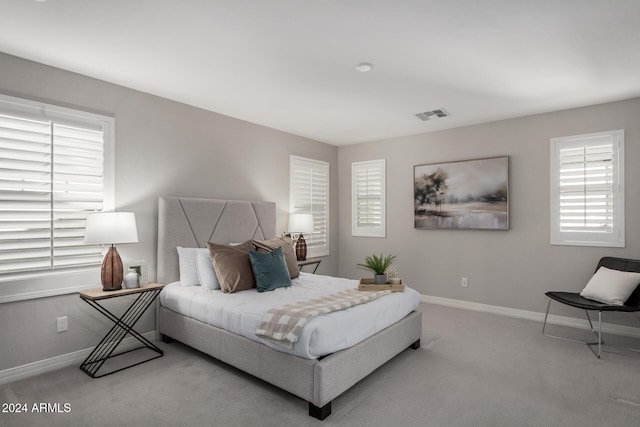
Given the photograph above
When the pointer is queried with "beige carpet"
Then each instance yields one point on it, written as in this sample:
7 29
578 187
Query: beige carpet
474 369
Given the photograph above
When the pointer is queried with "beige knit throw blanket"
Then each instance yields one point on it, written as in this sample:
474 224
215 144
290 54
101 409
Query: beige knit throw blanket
282 325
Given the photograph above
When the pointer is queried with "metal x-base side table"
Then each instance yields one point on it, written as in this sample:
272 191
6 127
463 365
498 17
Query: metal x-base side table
123 325
310 261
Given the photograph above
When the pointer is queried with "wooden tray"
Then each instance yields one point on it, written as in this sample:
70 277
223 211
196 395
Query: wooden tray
366 284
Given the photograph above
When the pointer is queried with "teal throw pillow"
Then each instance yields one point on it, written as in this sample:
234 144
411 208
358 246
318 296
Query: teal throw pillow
270 270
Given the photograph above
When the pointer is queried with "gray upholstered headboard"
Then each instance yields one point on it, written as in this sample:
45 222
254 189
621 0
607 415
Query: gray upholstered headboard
192 223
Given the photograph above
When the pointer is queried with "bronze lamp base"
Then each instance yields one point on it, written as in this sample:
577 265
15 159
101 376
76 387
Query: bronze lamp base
112 271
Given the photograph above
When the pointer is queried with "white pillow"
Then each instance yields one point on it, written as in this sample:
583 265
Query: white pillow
612 287
206 273
187 260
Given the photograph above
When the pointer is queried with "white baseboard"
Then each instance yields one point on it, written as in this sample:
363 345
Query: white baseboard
532 315
62 361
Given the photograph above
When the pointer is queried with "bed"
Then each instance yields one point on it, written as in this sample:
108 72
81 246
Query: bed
310 374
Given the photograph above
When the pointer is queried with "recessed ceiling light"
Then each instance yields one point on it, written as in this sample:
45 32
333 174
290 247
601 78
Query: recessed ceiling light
364 67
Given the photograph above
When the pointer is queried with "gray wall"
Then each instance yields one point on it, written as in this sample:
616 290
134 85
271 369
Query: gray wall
163 148
513 268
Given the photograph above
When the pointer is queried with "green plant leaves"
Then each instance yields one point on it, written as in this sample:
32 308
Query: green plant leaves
377 264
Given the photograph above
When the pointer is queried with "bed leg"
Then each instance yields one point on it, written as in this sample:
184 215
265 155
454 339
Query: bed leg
166 339
320 413
415 345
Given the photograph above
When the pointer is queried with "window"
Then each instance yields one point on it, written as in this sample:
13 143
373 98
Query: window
368 198
310 194
587 189
55 167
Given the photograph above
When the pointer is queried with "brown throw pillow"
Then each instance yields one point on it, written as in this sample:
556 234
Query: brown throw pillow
286 243
232 266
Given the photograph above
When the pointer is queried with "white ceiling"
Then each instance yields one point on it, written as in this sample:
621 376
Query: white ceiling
290 64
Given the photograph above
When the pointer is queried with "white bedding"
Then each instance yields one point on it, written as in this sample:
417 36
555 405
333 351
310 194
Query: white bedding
241 312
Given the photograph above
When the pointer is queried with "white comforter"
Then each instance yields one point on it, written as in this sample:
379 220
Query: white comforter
241 312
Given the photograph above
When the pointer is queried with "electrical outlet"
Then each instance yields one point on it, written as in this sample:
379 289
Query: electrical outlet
464 282
62 324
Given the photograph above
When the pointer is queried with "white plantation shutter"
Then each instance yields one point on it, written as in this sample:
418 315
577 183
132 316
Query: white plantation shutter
586 188
368 198
310 194
25 192
77 190
587 205
52 173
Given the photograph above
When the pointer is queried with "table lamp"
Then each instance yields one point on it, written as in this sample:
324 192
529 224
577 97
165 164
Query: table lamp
301 223
111 228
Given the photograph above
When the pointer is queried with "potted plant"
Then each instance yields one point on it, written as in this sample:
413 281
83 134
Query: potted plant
378 265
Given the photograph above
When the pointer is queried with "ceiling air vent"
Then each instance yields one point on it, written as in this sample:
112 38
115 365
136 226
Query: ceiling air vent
434 114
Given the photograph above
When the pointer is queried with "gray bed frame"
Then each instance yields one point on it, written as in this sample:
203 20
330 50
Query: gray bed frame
192 222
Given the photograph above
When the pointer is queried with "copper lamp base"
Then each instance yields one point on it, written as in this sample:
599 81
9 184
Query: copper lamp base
301 248
112 271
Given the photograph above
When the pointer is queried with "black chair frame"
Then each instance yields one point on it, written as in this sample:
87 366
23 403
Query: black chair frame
632 305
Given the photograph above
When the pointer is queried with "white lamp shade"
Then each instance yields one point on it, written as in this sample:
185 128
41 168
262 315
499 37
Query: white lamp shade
300 223
111 228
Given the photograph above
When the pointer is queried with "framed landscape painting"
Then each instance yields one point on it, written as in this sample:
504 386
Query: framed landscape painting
469 194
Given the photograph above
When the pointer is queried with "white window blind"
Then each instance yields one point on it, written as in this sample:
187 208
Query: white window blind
310 194
587 189
52 173
368 198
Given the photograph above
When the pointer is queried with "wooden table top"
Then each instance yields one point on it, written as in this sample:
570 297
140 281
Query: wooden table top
97 294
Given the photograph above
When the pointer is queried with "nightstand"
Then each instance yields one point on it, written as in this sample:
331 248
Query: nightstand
310 261
123 325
